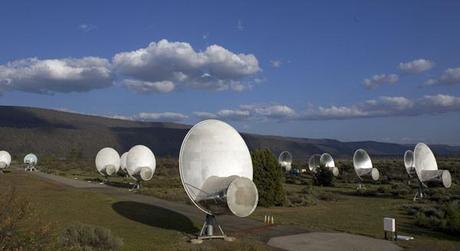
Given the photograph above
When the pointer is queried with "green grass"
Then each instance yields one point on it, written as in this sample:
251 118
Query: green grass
141 226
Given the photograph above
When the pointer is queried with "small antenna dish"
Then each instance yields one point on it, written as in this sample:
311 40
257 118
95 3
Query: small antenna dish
426 168
107 161
123 164
140 163
30 160
285 160
314 162
326 161
363 166
409 163
216 171
5 159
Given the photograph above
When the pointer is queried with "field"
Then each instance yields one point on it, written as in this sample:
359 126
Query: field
308 207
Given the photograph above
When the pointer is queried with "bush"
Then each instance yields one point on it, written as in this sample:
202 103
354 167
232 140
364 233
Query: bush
14 212
88 237
444 218
323 177
268 177
327 196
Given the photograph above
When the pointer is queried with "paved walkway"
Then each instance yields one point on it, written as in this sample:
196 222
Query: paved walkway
331 242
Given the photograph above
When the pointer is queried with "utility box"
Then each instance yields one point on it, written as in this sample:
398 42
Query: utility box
389 226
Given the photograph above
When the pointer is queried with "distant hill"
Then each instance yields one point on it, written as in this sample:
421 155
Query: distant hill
51 132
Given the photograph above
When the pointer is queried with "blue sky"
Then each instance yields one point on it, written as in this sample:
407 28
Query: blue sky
348 70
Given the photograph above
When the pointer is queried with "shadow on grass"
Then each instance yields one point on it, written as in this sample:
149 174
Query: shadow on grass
154 216
119 184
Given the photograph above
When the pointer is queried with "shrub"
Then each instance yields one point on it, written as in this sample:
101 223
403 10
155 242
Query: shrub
444 218
14 212
327 196
268 177
323 177
88 237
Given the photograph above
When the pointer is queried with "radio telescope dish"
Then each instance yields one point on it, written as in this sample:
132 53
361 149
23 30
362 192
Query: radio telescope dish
285 160
107 161
363 165
409 162
140 163
327 162
426 168
314 162
30 160
123 164
216 171
5 159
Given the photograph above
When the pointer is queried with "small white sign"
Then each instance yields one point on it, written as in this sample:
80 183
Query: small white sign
389 224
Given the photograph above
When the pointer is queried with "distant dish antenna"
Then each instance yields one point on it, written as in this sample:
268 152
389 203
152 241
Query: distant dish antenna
409 163
363 166
123 164
314 163
326 161
5 160
107 161
140 163
285 160
216 171
30 160
426 168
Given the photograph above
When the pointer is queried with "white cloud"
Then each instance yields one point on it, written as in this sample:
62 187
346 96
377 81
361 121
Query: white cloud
380 79
275 63
416 66
146 87
216 68
87 27
50 76
251 112
160 116
451 76
240 25
205 115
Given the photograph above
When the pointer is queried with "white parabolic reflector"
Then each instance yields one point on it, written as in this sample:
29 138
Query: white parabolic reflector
327 162
123 164
426 167
5 159
30 159
216 169
107 161
314 162
285 160
140 163
363 165
409 162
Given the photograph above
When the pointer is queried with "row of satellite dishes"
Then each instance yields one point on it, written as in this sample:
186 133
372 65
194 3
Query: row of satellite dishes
216 170
420 163
30 161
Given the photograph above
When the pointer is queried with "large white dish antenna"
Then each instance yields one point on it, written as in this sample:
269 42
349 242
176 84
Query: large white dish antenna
123 163
5 159
409 162
107 161
363 165
216 170
285 160
326 161
140 163
30 159
314 163
426 167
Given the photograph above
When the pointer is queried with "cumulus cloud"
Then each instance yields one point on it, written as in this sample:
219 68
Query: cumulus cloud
180 65
451 76
160 116
146 86
251 112
386 107
380 79
416 66
50 76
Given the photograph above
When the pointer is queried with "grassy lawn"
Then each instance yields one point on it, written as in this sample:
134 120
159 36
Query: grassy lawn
141 226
